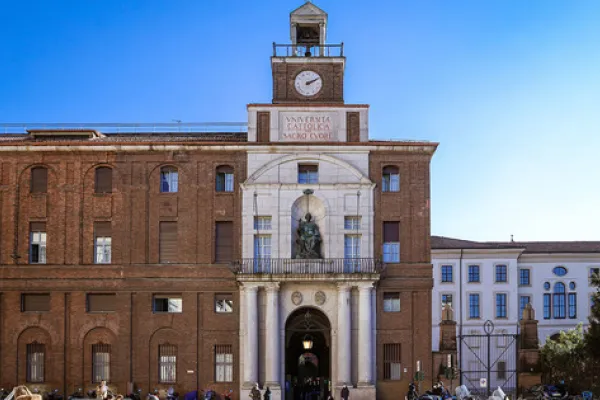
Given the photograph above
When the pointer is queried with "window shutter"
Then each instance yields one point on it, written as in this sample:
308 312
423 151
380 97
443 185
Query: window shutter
36 302
103 180
39 180
38 227
353 126
101 302
102 229
391 232
263 126
224 242
168 242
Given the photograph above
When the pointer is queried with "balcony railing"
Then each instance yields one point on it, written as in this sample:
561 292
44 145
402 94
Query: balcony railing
287 266
297 50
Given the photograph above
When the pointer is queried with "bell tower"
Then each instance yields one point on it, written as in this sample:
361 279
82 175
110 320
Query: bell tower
308 70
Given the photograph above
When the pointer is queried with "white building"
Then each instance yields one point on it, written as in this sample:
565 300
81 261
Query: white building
495 280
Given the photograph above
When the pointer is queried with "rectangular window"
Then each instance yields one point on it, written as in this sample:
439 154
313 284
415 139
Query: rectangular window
524 277
501 305
102 243
262 223
501 370
224 179
167 304
523 301
559 305
167 363
390 180
474 342
39 180
351 253
473 305
391 361
446 300
391 242
473 273
35 362
223 241
101 302
167 252
447 273
308 173
501 273
223 303
391 302
223 363
352 223
100 362
572 305
35 302
169 180
262 253
103 181
37 243
547 305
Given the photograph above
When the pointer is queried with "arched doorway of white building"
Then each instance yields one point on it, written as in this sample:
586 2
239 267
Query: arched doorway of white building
307 355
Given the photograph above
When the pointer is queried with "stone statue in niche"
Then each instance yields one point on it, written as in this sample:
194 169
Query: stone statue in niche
308 239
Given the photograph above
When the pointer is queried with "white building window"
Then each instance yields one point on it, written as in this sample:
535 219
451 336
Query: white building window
262 223
391 179
168 304
37 243
35 362
224 303
351 253
223 363
100 362
352 223
308 173
262 253
169 180
103 250
391 302
501 370
224 182
391 242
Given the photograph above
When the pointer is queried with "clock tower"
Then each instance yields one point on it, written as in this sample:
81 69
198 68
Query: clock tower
308 70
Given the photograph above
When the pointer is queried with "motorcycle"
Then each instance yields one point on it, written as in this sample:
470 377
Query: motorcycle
91 394
135 396
227 395
555 392
77 394
210 395
3 393
53 395
437 392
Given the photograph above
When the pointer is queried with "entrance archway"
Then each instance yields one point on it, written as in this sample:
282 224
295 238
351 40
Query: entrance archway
307 355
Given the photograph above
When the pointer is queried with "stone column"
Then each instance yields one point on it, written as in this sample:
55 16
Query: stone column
344 335
272 336
365 335
251 344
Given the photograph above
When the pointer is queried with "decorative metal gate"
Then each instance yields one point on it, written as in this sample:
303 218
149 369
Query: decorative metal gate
489 360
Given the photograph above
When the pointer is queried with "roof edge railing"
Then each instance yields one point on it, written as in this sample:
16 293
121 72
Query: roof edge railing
308 50
116 128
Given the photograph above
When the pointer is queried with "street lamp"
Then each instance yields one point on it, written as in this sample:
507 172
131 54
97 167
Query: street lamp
307 342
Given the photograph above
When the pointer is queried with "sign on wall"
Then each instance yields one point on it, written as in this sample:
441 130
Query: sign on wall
308 126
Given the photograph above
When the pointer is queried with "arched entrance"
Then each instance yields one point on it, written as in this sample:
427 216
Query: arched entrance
307 355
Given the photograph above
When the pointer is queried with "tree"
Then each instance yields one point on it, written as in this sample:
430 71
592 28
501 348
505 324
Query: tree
564 359
592 336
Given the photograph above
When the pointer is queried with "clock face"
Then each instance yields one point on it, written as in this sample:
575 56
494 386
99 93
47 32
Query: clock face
308 83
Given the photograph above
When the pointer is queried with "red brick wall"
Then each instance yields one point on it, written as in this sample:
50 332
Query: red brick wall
412 277
134 209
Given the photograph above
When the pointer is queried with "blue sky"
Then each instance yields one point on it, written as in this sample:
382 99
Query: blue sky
510 88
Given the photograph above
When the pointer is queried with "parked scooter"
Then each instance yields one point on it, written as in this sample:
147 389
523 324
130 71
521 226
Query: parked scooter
78 394
91 394
54 395
227 395
210 395
437 392
137 395
3 393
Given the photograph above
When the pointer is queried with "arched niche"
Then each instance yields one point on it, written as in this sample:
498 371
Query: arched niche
316 207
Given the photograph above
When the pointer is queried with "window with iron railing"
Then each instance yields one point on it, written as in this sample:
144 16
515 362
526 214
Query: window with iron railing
391 362
223 363
36 355
100 362
167 363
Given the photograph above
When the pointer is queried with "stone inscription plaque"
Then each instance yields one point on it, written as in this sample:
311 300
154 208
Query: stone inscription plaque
308 126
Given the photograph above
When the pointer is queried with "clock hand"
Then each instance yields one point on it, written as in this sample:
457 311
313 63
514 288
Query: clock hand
313 81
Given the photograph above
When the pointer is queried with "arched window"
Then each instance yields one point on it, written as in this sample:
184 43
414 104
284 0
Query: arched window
559 301
39 180
391 179
169 180
103 180
36 353
224 182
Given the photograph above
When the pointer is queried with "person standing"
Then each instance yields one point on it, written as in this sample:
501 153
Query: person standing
345 392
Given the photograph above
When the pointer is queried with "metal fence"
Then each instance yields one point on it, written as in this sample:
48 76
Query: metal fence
293 50
299 266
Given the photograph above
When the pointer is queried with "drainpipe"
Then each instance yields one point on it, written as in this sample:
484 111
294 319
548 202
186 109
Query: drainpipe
460 305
